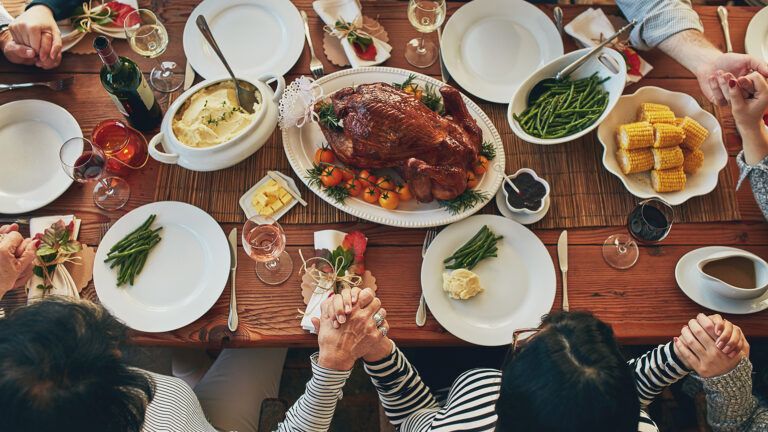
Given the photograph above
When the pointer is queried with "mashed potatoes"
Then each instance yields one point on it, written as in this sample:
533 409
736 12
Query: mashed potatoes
461 284
211 116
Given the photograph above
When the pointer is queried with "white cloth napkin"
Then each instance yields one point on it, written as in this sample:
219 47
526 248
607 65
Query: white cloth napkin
349 10
328 239
62 282
590 26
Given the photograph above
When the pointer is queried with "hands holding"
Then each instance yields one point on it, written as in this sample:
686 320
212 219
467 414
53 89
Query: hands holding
711 346
33 38
17 256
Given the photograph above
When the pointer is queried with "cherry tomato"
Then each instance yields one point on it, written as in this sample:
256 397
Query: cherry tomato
389 200
404 192
347 173
386 184
355 187
472 180
331 177
371 194
480 166
324 155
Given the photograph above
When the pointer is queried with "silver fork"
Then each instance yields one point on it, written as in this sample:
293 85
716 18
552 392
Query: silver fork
315 65
421 312
103 228
55 85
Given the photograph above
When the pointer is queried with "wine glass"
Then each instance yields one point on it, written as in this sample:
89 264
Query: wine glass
264 242
148 37
85 163
426 16
649 222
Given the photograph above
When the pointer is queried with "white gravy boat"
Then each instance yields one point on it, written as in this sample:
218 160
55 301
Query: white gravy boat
727 290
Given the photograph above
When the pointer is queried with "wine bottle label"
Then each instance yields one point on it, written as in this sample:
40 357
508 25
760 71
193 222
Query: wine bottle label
118 104
145 92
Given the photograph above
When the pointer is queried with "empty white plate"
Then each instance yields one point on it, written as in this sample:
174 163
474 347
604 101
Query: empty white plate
491 46
184 274
31 135
757 35
256 36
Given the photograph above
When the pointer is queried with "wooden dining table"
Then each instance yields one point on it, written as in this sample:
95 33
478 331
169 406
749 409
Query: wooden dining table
643 304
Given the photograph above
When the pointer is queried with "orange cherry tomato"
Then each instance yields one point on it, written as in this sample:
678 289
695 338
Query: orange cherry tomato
389 200
355 187
386 184
331 177
347 173
371 194
404 192
364 174
481 165
472 180
324 155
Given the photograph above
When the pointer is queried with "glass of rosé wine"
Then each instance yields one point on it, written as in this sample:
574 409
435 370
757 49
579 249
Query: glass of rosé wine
264 242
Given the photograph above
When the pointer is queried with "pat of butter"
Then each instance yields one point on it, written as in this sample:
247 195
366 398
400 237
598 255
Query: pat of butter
270 198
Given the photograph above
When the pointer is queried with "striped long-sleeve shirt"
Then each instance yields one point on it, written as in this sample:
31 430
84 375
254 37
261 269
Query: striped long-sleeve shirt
411 406
658 20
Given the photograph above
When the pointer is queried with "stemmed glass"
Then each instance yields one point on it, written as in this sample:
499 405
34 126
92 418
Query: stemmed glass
426 16
264 242
85 163
650 222
148 37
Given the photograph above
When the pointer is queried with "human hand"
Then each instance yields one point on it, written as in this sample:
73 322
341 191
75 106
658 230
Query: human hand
36 28
699 351
728 337
17 256
14 52
733 63
748 97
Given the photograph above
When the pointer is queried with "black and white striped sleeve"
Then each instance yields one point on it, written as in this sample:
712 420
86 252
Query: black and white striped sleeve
655 370
313 411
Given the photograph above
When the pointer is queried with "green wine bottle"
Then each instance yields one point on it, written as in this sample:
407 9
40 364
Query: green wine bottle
125 84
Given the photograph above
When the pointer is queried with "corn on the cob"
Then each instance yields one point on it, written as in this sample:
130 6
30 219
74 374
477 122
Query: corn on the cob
659 116
666 158
635 161
693 160
667 135
669 180
650 106
635 135
678 121
695 133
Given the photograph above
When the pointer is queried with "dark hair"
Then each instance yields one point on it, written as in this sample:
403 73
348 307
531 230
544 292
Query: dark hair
61 370
570 377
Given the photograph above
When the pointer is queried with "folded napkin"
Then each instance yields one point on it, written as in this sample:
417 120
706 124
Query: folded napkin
592 26
61 281
328 239
331 11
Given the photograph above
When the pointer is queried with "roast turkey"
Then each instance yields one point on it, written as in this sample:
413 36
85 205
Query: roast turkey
385 127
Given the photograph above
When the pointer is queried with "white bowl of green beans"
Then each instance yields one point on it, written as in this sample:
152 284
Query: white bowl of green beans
572 107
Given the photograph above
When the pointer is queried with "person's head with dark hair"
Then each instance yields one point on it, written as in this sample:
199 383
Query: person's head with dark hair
568 377
61 370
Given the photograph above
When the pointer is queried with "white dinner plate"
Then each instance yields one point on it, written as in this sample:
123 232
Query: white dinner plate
696 287
639 184
184 274
490 46
256 36
519 284
301 143
31 135
757 35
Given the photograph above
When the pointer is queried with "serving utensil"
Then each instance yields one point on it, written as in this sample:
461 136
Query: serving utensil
557 12
421 312
722 13
540 87
55 85
245 98
315 65
279 180
232 321
562 256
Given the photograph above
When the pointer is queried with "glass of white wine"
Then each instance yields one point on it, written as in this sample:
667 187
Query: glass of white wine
148 38
426 16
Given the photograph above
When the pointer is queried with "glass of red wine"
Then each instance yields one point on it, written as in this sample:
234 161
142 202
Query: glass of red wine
85 163
264 241
648 223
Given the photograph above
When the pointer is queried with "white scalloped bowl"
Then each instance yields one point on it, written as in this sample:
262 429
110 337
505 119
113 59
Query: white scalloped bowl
639 185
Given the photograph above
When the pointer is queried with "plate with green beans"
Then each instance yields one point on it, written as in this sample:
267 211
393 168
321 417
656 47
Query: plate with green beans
515 270
161 266
571 107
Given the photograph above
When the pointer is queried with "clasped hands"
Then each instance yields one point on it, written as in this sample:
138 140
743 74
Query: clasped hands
33 39
711 346
17 257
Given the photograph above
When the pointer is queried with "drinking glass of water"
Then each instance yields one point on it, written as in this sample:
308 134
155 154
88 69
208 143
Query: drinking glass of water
426 16
264 242
649 223
148 37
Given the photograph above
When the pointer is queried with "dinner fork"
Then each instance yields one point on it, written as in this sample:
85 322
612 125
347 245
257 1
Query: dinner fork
421 312
103 228
315 65
55 85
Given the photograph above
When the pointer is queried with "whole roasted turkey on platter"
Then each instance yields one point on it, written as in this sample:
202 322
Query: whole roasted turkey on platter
385 127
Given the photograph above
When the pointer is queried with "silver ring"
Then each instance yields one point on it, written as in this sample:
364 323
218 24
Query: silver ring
378 319
383 330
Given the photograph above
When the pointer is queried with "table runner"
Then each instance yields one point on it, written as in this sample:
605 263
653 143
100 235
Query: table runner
584 194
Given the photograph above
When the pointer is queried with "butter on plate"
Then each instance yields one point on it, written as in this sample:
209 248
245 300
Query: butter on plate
268 198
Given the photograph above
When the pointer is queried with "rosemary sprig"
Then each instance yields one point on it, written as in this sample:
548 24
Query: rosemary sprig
337 193
328 117
488 150
408 81
468 199
429 96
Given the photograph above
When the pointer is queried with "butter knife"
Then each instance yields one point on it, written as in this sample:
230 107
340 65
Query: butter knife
722 13
233 320
189 76
562 255
283 184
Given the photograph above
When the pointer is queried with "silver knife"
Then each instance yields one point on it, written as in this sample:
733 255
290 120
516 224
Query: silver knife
233 321
283 184
189 76
562 255
443 70
722 13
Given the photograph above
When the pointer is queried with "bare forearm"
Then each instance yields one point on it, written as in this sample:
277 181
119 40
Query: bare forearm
755 142
691 49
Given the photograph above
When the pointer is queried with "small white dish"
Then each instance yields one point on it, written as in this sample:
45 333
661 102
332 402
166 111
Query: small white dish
727 290
521 218
700 290
757 34
246 201
614 86
639 185
535 177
